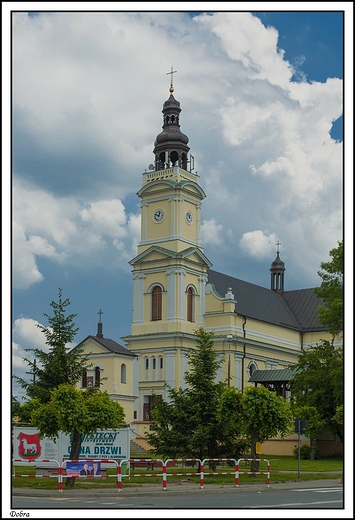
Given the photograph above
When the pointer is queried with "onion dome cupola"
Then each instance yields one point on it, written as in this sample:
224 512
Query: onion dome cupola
170 146
277 271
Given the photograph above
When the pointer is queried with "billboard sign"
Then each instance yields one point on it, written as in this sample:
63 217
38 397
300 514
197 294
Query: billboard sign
103 444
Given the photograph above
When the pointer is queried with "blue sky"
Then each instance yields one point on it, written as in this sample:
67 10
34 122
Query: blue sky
261 96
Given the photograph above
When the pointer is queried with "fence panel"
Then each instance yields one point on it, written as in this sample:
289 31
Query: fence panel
253 472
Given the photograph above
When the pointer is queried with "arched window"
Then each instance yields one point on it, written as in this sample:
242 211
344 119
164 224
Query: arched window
97 376
154 363
161 362
190 304
84 379
156 303
252 367
123 373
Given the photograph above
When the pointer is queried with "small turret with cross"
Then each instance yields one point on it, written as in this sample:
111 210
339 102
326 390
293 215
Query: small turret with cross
99 325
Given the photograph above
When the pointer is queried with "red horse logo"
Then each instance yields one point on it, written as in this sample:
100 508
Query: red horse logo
29 446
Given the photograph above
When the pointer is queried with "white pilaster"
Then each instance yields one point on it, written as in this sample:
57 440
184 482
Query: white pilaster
219 376
182 295
171 292
170 359
144 207
144 371
198 223
238 371
172 217
138 297
150 362
202 298
184 368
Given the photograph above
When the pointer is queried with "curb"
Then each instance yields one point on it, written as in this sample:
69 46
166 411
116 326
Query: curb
175 489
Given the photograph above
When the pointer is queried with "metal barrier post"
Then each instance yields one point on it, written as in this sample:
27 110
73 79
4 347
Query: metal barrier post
237 474
60 479
164 476
202 469
118 471
268 474
119 475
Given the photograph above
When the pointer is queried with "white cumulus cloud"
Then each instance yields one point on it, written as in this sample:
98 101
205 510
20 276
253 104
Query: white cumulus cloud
258 245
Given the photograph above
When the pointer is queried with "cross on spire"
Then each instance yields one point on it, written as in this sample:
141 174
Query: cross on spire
100 313
278 243
171 79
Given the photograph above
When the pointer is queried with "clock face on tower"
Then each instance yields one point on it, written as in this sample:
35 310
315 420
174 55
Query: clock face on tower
188 217
158 215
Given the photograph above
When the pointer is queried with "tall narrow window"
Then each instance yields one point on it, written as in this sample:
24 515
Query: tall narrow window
190 306
154 363
84 379
156 303
97 376
123 373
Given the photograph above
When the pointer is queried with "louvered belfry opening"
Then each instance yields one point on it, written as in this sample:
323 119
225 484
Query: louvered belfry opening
156 303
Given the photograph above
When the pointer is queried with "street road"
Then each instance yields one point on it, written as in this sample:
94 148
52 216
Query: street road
296 498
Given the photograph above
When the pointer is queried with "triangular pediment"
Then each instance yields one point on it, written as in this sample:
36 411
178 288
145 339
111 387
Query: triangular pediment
192 254
90 345
101 345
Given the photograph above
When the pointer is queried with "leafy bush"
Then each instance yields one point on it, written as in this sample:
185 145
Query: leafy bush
305 452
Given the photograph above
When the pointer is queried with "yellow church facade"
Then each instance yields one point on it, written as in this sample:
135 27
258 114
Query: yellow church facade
176 291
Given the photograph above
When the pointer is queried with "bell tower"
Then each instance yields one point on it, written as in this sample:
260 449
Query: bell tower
170 269
277 271
170 146
171 195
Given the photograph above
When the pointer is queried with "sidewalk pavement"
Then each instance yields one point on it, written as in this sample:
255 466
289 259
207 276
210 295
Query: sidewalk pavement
175 488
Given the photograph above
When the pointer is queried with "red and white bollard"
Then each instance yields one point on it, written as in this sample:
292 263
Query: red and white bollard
202 476
164 476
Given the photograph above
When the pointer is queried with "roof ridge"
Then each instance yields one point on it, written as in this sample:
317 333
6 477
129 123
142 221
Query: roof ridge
290 312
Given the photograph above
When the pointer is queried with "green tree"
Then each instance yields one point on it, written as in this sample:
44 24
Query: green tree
60 364
262 413
55 404
318 383
314 426
76 412
15 407
188 424
339 415
331 291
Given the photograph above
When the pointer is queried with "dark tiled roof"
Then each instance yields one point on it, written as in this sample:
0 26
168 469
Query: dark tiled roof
110 345
283 375
296 310
304 305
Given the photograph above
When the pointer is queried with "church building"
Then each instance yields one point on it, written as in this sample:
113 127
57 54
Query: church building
257 330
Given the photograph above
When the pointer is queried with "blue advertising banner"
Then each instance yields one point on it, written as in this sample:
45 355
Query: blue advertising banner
75 469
